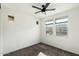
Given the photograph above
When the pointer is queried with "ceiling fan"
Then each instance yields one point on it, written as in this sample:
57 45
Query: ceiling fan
44 8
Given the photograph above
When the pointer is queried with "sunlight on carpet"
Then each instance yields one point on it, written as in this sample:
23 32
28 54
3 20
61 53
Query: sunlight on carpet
41 54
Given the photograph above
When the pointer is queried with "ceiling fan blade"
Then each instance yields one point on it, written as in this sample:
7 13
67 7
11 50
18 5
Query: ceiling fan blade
0 5
47 4
50 9
36 7
37 12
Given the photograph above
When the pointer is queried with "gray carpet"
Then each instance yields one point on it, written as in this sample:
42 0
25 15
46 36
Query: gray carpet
36 49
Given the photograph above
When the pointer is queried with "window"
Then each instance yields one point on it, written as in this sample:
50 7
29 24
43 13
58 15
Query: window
61 26
49 27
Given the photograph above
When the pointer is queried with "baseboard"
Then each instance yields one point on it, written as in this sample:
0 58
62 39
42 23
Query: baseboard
20 49
59 48
44 44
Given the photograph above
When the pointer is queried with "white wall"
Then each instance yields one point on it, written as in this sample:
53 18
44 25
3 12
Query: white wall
0 31
21 33
69 42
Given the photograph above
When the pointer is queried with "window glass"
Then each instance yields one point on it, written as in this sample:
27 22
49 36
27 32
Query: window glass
61 26
49 27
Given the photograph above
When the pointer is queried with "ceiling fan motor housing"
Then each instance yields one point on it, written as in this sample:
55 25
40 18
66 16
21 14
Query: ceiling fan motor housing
43 6
43 10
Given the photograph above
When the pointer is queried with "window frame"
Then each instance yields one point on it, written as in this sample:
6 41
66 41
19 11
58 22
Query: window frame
60 23
47 25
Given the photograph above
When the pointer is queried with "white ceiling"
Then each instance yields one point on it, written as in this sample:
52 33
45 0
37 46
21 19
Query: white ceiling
27 8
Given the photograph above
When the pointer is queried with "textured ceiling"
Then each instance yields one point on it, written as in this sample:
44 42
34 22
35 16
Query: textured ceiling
27 8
